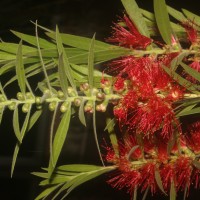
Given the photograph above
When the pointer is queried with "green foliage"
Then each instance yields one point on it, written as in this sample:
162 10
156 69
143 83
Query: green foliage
70 80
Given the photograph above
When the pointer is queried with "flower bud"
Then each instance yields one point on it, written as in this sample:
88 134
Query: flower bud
64 107
12 106
71 92
25 108
20 96
60 94
2 98
52 106
38 100
77 102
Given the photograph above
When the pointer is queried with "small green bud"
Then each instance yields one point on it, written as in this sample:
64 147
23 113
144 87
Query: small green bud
12 106
38 100
60 94
2 98
107 90
77 102
20 96
25 108
29 95
84 87
88 107
64 107
52 106
100 96
71 92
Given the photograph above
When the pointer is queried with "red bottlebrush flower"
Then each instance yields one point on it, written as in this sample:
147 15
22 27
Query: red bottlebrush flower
196 65
191 31
121 114
167 175
193 136
119 84
151 116
148 177
129 37
183 172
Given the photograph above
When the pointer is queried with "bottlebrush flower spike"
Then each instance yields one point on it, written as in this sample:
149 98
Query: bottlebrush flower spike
192 33
128 37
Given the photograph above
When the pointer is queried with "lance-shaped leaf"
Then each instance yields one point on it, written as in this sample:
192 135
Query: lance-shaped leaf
47 192
16 124
91 63
66 64
22 134
172 191
192 72
20 72
135 15
80 42
189 112
32 40
162 20
192 17
159 181
145 194
196 164
62 75
59 139
81 113
95 133
176 14
185 83
110 123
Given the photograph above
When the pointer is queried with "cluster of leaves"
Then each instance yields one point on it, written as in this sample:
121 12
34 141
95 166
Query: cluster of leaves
69 80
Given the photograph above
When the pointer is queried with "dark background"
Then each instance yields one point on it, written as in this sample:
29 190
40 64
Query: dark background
80 17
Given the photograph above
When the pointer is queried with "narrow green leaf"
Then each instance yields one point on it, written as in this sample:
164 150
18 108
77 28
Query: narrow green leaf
176 14
196 164
62 75
185 193
177 60
172 191
91 63
110 123
20 72
51 133
41 58
132 151
135 15
192 72
40 174
65 59
159 181
81 113
12 48
145 194
33 119
185 83
190 112
32 40
87 177
192 17
59 139
16 124
95 133
162 20
135 193
186 109
79 168
1 114
22 134
80 42
47 192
